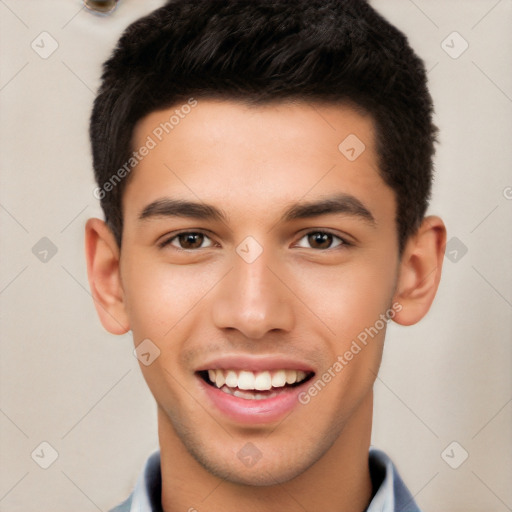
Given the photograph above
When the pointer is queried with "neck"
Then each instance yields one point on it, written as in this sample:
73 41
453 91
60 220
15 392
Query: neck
339 481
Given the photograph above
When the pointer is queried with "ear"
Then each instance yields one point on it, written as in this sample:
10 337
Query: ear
420 271
102 254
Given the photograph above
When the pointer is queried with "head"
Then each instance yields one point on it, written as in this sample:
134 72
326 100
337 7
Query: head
264 169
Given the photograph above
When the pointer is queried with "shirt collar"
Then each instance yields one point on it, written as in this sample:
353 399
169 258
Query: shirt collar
389 491
146 496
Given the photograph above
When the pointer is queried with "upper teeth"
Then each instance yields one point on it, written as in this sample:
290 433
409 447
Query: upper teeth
260 381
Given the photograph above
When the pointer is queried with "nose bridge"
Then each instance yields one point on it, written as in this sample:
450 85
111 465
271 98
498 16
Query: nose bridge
254 285
252 300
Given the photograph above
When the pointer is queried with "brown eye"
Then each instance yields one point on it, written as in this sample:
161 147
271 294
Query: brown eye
321 240
190 241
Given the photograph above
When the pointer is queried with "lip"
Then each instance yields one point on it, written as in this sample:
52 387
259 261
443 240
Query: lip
253 412
255 364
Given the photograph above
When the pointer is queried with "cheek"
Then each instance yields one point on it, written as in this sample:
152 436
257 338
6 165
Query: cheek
160 297
347 298
350 302
162 301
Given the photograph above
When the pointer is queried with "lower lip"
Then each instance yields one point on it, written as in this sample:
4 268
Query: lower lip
241 410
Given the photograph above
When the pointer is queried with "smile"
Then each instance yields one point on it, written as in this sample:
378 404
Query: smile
253 397
251 390
247 384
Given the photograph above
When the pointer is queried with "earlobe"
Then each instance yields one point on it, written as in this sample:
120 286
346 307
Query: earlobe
420 271
102 254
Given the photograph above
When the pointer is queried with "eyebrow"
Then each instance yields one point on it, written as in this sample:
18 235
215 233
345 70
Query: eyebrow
339 204
180 208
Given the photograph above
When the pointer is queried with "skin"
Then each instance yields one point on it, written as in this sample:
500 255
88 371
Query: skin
300 298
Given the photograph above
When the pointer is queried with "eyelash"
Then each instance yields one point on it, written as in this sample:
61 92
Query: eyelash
343 241
169 241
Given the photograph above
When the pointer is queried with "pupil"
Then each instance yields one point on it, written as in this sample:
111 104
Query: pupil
191 240
321 240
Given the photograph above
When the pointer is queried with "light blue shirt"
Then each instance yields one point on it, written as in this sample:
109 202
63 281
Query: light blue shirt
390 493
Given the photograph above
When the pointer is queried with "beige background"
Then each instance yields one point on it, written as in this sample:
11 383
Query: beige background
66 382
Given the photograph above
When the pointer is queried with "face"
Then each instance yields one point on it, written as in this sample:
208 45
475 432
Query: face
255 253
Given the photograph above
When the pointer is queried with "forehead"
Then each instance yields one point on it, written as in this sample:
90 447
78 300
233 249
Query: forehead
255 159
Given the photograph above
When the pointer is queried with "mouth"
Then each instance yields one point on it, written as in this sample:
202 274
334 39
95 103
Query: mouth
253 390
251 385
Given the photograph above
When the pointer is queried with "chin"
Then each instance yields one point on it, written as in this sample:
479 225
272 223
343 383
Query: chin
261 475
277 469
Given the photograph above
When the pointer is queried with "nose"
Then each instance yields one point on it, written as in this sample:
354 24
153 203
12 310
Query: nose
253 301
